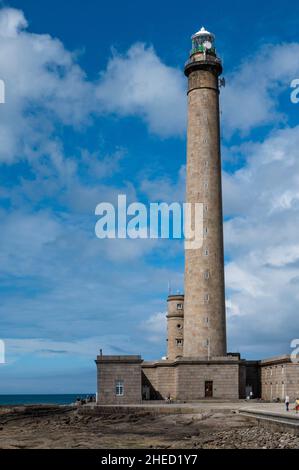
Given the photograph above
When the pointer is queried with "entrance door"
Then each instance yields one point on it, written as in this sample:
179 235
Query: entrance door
209 389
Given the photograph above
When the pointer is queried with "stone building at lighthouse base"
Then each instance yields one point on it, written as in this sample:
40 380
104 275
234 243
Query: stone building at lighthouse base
129 379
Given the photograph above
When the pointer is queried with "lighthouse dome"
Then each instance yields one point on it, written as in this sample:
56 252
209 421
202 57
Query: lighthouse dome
203 32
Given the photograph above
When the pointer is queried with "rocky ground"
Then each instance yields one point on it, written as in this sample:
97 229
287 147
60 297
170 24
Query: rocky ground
206 430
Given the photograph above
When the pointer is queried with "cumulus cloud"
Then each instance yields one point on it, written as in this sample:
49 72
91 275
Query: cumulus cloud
250 98
44 85
139 84
12 21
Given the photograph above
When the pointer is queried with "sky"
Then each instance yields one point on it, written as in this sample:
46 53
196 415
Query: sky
96 107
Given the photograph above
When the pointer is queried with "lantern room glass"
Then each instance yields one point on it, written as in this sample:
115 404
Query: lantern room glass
199 40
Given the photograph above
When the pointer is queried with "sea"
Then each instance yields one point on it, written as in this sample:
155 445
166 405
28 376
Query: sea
41 399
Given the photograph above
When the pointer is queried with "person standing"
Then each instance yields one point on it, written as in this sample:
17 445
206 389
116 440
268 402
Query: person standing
287 402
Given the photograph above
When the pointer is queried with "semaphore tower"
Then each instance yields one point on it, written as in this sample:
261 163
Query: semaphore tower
204 306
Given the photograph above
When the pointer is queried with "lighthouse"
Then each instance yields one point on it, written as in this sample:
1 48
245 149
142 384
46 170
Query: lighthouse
197 364
204 303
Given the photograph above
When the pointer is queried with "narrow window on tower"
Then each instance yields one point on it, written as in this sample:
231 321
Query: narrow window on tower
206 207
206 185
206 231
179 306
206 274
179 342
207 320
206 252
206 298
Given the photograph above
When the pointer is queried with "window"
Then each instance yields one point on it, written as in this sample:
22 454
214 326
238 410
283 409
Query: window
207 320
206 298
206 274
206 185
206 207
206 252
206 230
179 306
179 326
179 342
119 388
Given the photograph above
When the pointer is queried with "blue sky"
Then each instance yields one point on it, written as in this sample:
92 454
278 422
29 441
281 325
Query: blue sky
96 106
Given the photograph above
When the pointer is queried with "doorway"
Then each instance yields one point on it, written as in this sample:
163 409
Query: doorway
209 389
249 391
146 392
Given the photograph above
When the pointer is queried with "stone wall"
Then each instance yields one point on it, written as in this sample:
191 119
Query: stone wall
185 380
110 370
191 379
161 376
279 377
292 382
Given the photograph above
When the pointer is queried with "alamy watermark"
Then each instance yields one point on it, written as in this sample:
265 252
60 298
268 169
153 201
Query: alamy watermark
295 353
157 220
295 92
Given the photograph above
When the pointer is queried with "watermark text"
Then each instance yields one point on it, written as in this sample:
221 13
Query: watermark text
157 220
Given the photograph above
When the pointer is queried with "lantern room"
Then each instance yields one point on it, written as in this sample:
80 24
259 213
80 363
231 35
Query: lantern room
203 42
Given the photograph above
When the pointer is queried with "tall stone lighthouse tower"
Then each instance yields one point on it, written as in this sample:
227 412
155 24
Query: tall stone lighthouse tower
204 306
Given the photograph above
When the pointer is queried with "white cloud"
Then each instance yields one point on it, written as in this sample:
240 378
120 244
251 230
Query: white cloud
43 84
261 239
250 98
139 84
231 308
164 189
155 327
11 22
241 280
